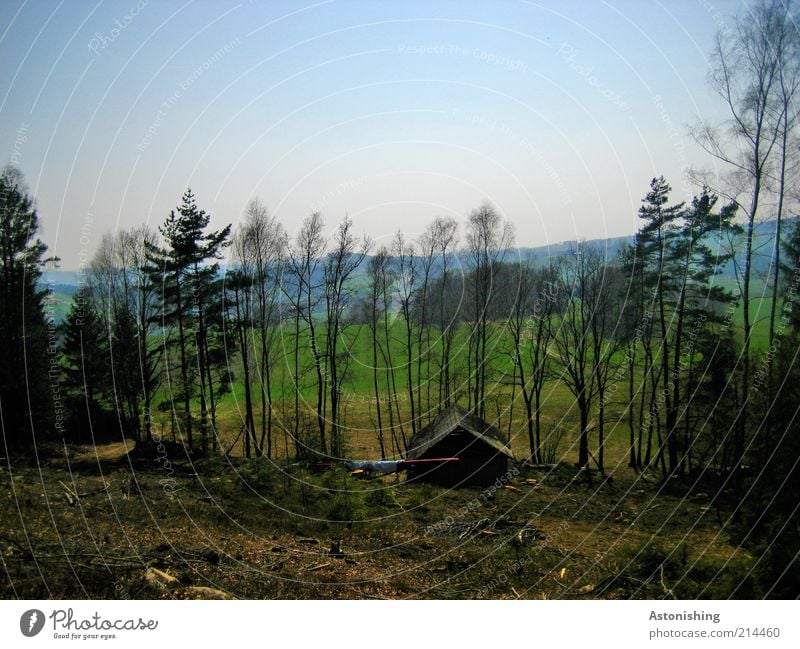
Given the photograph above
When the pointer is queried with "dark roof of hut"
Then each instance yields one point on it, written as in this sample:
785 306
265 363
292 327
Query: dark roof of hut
448 421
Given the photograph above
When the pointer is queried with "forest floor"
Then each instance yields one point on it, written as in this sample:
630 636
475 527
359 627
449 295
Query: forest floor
119 521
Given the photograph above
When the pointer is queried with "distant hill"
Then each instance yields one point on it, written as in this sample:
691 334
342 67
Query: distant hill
61 278
763 247
611 246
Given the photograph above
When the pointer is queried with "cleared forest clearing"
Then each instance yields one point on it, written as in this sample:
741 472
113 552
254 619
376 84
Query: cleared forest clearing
153 524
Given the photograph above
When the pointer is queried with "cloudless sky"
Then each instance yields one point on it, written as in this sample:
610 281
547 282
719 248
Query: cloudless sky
559 113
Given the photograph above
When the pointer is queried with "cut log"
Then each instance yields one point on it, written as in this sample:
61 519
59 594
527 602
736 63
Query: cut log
160 578
206 592
69 494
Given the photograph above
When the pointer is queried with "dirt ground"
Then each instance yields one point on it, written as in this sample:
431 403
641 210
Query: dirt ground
118 521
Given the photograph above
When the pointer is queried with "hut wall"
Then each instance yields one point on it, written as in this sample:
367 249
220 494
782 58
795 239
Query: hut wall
478 464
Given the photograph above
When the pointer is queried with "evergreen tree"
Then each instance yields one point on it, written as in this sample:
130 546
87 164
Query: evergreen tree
790 268
697 303
654 239
167 271
192 301
770 516
710 421
196 248
24 333
85 363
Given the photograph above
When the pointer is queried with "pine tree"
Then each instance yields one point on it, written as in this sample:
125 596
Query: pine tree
191 301
167 272
654 239
85 363
25 336
790 268
196 247
693 263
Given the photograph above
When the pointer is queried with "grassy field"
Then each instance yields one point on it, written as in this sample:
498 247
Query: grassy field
505 407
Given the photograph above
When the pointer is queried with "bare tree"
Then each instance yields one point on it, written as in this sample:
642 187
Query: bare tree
637 318
746 74
375 306
531 303
445 237
427 246
407 271
303 262
238 282
604 290
149 352
261 250
488 238
341 262
787 51
574 340
126 301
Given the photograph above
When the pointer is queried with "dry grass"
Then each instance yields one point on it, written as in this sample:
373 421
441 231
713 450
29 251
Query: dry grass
83 527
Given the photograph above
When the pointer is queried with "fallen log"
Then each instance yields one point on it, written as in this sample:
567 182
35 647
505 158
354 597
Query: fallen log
206 592
160 578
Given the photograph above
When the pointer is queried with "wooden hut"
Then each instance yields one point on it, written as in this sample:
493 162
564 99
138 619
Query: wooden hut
482 450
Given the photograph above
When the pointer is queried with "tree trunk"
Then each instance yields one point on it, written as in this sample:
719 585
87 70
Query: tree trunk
583 447
184 366
376 383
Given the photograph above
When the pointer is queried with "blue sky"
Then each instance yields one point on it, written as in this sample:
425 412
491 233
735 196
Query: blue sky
393 112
